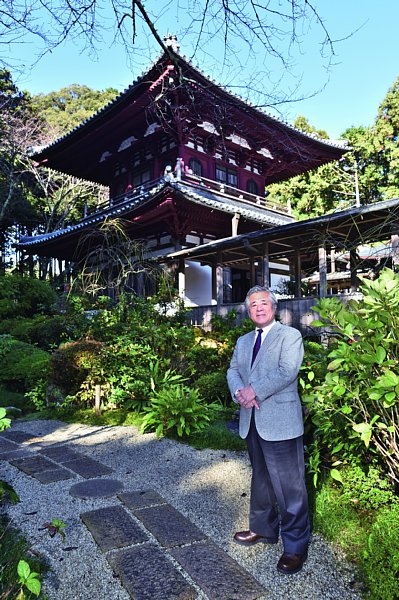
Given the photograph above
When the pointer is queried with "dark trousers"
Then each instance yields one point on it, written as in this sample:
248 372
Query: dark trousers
278 479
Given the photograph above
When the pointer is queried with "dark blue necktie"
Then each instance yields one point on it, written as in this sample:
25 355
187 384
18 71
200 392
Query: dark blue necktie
256 347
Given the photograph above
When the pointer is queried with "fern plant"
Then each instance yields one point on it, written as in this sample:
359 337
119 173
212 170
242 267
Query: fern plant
177 409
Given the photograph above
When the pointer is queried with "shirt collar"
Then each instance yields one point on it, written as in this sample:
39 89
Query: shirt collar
266 329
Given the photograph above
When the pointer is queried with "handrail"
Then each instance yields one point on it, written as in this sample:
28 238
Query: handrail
195 182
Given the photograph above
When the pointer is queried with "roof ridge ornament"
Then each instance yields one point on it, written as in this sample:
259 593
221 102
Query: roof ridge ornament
171 42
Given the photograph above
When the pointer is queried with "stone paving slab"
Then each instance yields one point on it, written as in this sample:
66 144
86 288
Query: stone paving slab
216 573
53 475
16 436
96 488
112 527
17 453
87 467
141 499
7 445
148 574
33 464
61 454
168 525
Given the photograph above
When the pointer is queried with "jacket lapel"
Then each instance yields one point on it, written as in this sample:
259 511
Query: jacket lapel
267 343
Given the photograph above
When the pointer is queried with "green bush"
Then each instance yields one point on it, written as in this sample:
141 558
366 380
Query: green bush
24 296
214 388
125 369
352 405
21 365
71 363
177 409
43 331
122 369
381 558
205 356
366 489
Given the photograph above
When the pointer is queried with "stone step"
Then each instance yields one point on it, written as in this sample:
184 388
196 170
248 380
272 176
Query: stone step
49 464
148 569
148 574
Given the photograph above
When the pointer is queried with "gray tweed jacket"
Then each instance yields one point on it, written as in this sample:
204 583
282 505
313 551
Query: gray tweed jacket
274 377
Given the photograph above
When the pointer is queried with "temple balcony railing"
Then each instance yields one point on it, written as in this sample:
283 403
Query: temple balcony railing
200 184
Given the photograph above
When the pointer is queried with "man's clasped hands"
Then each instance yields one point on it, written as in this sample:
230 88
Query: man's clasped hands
246 397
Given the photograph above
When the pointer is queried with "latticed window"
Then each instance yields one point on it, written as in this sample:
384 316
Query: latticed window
252 187
225 175
196 166
141 177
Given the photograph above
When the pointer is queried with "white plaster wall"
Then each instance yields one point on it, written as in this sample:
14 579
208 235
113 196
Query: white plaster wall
198 284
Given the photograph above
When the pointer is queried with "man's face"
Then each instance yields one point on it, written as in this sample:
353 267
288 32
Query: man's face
261 309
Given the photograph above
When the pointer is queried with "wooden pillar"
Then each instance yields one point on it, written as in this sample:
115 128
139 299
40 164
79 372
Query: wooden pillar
332 260
322 272
353 270
297 273
234 224
227 285
252 274
217 282
395 251
181 278
265 265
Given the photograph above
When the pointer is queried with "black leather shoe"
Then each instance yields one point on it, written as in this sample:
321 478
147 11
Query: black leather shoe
291 563
249 538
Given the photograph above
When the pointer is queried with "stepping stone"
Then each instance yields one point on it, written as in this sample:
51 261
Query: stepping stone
148 574
16 436
18 453
33 464
61 454
141 499
112 527
168 525
96 488
6 445
87 467
216 573
57 474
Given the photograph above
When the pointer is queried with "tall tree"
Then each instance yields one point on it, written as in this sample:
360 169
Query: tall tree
320 191
32 197
68 107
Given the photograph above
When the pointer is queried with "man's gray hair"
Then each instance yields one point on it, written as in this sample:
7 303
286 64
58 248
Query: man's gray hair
261 288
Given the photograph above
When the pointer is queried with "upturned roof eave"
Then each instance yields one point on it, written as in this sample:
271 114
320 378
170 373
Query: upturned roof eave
257 214
126 95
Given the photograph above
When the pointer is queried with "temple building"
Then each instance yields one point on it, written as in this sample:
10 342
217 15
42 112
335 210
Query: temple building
187 164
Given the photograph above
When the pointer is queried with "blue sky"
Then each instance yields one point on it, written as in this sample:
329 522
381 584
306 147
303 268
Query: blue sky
365 65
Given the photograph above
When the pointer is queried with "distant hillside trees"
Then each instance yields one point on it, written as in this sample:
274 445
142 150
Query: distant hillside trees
373 161
32 198
66 108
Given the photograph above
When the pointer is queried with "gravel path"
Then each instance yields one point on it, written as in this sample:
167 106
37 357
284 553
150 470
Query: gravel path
209 487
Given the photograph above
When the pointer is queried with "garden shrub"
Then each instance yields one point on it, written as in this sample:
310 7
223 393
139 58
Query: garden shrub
43 331
122 369
25 296
205 356
21 365
71 363
214 388
353 407
367 489
125 373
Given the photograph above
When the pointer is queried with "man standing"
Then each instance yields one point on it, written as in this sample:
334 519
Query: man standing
263 379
